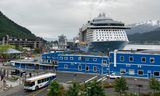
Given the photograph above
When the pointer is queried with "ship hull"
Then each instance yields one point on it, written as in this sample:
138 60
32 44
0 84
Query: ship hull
105 46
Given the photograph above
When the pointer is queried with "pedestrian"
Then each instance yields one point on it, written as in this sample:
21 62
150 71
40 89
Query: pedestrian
30 74
2 77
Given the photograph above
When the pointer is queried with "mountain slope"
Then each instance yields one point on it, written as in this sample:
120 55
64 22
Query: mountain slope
143 27
149 37
8 27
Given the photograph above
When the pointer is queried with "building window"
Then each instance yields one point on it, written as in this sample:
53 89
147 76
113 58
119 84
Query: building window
65 66
87 59
71 58
94 59
49 61
143 59
95 68
128 65
131 59
156 73
122 71
104 62
79 67
131 72
65 58
121 58
79 58
152 60
48 57
87 68
61 58
140 72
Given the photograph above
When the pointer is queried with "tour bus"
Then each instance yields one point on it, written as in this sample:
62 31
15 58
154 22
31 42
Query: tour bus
39 81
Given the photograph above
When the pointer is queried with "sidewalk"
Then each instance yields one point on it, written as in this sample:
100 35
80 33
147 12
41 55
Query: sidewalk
9 85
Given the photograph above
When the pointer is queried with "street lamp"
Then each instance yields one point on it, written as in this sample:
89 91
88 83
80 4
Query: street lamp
135 82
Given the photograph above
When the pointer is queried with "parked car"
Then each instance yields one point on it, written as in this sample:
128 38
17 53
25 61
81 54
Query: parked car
113 76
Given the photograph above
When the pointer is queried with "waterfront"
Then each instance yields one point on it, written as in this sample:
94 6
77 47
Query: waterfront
134 47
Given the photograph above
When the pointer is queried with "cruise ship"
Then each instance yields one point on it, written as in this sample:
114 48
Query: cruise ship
103 34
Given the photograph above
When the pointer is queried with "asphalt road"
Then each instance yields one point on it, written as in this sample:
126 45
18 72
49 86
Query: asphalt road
61 77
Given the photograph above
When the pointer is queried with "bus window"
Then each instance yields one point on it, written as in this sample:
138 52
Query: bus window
29 84
39 81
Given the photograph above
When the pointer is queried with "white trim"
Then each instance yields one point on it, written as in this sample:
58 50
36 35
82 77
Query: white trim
138 64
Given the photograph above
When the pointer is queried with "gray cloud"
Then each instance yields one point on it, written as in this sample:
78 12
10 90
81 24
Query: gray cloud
50 18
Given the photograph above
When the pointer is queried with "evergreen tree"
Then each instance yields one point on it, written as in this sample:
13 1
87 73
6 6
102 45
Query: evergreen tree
94 88
55 89
120 85
154 84
74 90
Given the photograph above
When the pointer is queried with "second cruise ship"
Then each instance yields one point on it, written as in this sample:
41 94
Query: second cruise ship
102 35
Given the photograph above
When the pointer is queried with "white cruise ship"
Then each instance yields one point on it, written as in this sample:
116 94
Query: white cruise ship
102 35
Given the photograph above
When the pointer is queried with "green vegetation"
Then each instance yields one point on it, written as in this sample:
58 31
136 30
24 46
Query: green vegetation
94 88
155 86
55 89
8 27
74 90
5 47
120 85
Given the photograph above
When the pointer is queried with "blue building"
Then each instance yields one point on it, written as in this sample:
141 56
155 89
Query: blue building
141 64
48 62
83 63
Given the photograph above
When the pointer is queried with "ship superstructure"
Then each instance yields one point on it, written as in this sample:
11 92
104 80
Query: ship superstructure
103 34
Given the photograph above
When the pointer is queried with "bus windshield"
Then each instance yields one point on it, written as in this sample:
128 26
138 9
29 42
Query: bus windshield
29 83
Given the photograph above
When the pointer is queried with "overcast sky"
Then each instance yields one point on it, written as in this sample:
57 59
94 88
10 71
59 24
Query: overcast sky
51 18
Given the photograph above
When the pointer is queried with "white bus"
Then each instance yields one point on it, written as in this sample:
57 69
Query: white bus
39 81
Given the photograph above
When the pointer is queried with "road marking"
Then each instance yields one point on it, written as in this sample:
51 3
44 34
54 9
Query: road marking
90 79
36 93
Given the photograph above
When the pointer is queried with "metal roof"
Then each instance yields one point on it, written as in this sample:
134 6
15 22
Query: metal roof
40 76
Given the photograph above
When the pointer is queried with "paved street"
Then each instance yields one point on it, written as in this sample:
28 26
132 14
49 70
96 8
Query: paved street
61 77
66 78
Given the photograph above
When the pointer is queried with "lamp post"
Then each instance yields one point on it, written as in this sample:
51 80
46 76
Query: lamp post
135 83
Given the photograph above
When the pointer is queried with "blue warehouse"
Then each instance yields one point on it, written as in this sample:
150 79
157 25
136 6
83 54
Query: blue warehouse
141 64
131 63
83 63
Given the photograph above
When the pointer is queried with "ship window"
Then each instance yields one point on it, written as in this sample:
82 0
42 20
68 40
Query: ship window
80 67
140 72
65 66
152 60
156 73
121 58
95 68
87 68
131 59
122 71
143 59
